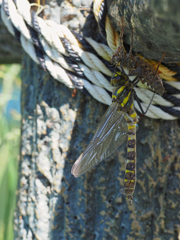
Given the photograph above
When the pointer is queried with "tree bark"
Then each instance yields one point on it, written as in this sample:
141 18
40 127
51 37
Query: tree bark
52 204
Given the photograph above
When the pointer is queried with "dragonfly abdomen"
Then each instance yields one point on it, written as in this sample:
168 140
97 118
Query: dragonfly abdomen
130 173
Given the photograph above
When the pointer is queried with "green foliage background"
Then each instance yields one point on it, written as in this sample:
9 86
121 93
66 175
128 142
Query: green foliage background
9 148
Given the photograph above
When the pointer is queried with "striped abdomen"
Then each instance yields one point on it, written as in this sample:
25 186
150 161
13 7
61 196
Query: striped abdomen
130 173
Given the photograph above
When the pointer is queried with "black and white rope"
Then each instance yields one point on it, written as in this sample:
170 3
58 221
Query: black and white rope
68 56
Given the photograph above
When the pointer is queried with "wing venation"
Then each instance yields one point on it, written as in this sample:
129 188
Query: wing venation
110 134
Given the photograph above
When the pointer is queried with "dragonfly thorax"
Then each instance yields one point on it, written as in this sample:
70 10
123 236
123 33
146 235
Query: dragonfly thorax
124 97
119 79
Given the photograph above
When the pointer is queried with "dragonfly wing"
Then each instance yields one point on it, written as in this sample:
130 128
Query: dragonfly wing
110 134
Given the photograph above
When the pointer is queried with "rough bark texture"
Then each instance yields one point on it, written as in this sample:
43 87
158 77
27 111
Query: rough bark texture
55 129
52 204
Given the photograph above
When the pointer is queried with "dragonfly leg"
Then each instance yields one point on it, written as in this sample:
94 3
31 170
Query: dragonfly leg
139 104
131 45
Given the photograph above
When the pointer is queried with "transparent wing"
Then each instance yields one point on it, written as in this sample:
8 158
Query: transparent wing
110 134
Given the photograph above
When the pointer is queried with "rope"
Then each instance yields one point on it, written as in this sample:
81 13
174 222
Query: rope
80 62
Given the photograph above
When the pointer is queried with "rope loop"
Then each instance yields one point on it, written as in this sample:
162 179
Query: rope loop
80 62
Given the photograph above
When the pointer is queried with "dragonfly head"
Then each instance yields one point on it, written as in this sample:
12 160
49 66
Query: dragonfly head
119 79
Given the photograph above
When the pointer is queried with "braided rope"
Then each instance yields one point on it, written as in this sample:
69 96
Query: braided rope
61 46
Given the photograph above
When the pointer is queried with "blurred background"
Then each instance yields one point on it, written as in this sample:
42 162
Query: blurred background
10 117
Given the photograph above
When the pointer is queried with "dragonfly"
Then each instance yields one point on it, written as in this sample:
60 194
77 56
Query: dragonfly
118 124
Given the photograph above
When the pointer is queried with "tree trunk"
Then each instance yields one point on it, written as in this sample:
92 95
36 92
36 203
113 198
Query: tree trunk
52 204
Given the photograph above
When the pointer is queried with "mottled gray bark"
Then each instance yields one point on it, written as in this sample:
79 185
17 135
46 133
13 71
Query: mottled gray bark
52 204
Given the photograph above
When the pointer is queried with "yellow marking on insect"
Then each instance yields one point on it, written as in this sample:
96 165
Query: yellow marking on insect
131 126
129 171
114 96
125 100
117 74
131 137
130 149
130 161
126 180
120 89
133 115
129 181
